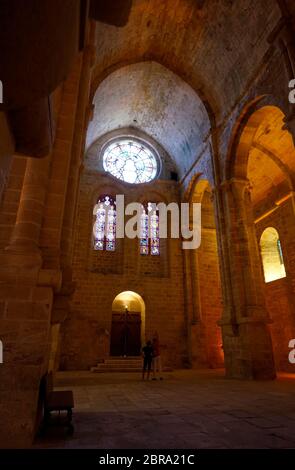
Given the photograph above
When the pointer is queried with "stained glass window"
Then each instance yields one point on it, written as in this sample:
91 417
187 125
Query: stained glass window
130 161
144 232
149 230
154 232
104 229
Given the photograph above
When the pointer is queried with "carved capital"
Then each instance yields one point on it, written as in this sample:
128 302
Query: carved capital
50 278
238 187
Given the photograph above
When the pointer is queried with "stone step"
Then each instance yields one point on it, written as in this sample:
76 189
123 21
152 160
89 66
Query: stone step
119 369
118 366
122 364
123 359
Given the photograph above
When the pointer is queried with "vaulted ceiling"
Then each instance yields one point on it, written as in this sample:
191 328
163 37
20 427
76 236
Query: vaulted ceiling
151 98
172 61
215 45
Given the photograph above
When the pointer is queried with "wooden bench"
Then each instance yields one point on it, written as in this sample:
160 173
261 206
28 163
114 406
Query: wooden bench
61 402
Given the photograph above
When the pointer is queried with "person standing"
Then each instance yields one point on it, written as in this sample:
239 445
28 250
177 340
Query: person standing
157 362
147 353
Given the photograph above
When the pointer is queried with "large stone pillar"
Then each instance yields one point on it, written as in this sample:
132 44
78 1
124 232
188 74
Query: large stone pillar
246 337
24 244
77 154
26 297
32 294
61 307
6 151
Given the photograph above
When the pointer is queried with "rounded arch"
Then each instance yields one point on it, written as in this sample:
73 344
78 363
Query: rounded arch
155 96
262 109
96 239
111 188
286 170
144 164
152 195
195 180
254 114
272 255
95 150
200 192
134 303
100 74
199 189
262 151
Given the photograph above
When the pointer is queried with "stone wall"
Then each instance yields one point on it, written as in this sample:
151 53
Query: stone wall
101 276
34 283
279 294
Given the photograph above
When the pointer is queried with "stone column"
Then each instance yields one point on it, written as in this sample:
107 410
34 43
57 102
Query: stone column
26 297
24 244
192 299
246 337
187 285
61 306
223 245
6 151
80 130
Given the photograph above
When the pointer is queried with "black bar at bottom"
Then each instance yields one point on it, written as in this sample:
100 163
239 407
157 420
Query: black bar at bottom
133 459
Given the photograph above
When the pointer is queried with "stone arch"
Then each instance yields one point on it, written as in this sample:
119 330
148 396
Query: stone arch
182 135
96 259
100 74
195 180
94 151
286 170
135 303
245 129
271 254
258 188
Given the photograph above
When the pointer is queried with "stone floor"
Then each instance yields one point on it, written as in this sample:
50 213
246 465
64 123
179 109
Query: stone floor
188 409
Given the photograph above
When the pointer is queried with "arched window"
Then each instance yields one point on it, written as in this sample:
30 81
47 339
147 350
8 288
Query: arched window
149 230
130 160
104 228
272 255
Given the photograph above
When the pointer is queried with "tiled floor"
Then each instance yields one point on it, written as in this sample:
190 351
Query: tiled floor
188 409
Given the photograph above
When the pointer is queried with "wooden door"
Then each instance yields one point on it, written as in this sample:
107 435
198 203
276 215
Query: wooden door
126 334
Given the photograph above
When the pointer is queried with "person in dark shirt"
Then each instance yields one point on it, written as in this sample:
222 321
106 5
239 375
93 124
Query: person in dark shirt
147 353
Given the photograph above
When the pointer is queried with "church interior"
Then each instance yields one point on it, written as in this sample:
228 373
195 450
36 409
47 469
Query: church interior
174 102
